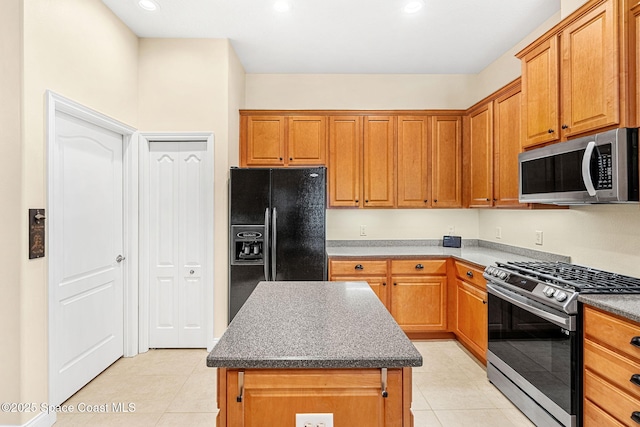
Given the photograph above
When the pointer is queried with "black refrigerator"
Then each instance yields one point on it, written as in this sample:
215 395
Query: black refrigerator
277 228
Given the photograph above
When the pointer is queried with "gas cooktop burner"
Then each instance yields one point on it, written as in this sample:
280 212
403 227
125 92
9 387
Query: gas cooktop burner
579 278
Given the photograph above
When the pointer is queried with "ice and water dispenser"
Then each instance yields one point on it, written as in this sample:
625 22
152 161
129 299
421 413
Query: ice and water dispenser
247 244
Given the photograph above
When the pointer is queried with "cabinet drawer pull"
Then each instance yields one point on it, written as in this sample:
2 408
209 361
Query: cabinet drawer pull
484 302
359 267
470 273
635 379
635 416
419 266
635 341
565 127
550 131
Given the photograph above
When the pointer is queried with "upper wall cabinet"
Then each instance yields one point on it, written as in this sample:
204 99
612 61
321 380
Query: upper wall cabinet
379 162
571 77
345 161
413 162
446 161
283 140
480 159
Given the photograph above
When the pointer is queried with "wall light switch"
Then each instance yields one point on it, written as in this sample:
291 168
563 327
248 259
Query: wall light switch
452 230
538 237
498 232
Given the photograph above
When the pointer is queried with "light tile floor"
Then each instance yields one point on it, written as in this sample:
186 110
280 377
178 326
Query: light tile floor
175 388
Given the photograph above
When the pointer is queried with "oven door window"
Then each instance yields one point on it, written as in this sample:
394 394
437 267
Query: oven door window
540 351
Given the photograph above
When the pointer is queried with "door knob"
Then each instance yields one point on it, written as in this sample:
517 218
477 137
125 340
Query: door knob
120 258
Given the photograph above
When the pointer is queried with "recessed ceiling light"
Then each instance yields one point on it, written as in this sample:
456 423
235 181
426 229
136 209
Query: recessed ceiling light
281 6
413 6
149 5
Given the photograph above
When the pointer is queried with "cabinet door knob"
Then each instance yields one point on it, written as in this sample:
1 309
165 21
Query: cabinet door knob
550 131
290 158
280 158
395 284
425 200
470 273
357 201
384 283
635 341
635 379
488 199
435 201
359 267
419 266
366 201
484 302
565 127
635 416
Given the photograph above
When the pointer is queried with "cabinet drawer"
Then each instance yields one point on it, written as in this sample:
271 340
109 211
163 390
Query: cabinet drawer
612 332
611 399
419 266
470 274
358 267
612 367
596 417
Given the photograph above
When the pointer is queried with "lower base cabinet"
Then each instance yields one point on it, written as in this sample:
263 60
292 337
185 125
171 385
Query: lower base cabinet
273 397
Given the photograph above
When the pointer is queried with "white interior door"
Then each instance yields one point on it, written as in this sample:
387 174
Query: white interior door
86 288
177 217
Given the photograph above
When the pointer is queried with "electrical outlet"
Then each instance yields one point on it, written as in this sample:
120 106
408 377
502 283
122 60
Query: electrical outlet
363 232
538 237
452 230
498 232
314 420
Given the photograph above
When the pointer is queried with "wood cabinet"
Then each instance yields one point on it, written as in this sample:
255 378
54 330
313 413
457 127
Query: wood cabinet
611 369
379 163
446 161
278 140
634 65
374 272
273 397
429 161
480 156
414 163
507 144
345 161
413 290
470 308
571 76
418 299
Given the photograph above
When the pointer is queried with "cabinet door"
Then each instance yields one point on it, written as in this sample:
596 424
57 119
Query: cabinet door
507 146
540 94
265 141
307 140
590 94
481 156
446 162
471 317
418 303
413 162
379 161
345 159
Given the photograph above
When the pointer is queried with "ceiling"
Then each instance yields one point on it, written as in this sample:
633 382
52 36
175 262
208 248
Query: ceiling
348 36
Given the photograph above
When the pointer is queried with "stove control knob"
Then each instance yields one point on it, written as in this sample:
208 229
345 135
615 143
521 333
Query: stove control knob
560 296
549 291
503 275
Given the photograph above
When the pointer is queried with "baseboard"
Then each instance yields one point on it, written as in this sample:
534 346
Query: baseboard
41 420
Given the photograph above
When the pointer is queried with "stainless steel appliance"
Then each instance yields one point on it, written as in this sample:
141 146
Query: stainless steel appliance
535 337
277 228
601 168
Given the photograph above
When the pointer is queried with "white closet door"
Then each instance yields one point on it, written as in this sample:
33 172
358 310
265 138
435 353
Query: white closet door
177 245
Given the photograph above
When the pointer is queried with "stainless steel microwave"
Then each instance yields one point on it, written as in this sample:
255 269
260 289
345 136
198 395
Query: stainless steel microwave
601 168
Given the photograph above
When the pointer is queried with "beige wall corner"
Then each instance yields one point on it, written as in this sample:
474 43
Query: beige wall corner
10 194
78 49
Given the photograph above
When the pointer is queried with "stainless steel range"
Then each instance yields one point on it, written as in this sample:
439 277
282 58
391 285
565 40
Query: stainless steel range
535 335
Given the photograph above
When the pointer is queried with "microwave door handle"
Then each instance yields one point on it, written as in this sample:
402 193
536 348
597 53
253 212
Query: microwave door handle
265 248
550 317
586 168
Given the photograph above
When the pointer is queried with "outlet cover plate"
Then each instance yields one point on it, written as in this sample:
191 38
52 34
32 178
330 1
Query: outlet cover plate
538 237
315 420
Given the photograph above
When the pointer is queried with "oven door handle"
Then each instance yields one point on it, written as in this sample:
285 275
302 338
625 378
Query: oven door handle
564 322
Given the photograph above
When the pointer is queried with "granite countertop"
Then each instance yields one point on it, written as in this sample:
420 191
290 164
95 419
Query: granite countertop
623 305
313 325
478 252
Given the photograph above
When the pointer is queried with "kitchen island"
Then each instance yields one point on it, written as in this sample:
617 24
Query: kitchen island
314 347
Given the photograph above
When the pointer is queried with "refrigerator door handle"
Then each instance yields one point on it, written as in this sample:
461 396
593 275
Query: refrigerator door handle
265 249
274 231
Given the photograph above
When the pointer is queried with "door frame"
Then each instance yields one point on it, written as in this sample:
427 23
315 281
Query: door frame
57 103
145 139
